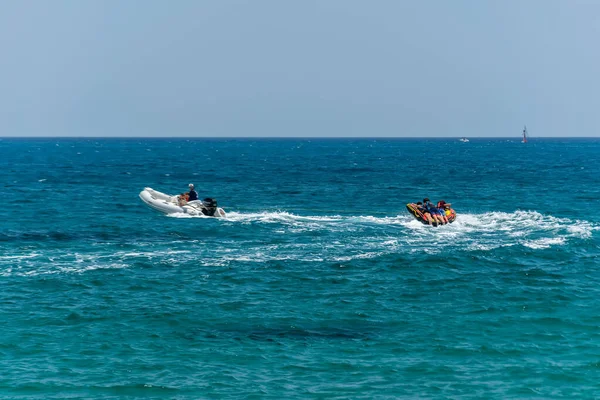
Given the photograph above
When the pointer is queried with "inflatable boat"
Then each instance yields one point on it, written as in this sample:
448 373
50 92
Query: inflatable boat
414 210
168 204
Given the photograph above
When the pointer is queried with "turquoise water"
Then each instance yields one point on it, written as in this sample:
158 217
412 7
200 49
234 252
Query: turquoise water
318 284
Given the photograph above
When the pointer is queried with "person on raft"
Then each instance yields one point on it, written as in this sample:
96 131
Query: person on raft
436 213
427 216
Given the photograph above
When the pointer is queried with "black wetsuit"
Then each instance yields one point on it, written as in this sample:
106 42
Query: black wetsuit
193 195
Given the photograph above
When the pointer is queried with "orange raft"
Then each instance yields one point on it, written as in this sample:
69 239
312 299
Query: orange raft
412 208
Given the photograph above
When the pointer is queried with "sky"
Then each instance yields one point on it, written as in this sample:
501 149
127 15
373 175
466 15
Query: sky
277 68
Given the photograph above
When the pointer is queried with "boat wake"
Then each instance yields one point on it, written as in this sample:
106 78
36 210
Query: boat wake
513 224
470 231
286 237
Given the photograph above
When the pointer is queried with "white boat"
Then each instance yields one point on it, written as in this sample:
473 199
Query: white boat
168 204
465 140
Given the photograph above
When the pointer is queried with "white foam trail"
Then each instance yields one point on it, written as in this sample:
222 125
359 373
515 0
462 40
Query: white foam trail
544 243
19 257
184 215
493 230
481 231
347 238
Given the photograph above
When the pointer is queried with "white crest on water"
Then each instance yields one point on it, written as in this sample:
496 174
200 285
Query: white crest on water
339 239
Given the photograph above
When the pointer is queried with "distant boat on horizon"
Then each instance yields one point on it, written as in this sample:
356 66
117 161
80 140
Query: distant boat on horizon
524 140
465 140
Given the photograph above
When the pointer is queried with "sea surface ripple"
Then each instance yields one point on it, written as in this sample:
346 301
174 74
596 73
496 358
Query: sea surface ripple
317 284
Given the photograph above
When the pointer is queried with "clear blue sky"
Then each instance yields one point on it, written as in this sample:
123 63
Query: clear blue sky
300 68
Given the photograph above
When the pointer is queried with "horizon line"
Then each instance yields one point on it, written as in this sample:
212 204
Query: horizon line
297 137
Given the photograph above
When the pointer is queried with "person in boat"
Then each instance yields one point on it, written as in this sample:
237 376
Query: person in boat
443 214
442 205
427 216
435 212
192 195
182 199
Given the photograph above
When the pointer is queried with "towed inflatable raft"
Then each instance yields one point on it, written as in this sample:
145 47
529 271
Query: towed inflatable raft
170 204
412 208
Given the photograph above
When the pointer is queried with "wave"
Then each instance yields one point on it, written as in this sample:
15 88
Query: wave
485 231
515 224
286 237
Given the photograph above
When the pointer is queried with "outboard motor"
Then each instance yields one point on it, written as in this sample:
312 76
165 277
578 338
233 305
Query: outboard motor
209 207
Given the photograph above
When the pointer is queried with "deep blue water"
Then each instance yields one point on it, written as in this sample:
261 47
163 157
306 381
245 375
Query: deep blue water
318 284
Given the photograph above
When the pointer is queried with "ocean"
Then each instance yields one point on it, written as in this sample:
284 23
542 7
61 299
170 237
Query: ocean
318 284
